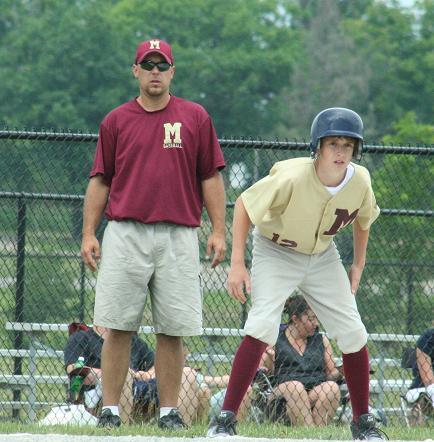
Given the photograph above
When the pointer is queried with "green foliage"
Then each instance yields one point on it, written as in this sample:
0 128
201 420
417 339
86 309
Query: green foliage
260 68
408 130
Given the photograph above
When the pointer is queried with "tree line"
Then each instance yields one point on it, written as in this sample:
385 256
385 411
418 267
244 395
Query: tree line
261 68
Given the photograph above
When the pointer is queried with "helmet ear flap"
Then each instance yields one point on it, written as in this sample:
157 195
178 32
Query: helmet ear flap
314 152
357 152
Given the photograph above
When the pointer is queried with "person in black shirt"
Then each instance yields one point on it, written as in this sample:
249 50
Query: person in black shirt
303 370
140 386
421 393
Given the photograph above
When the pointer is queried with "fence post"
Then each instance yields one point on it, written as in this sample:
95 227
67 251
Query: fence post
410 307
32 382
82 290
19 291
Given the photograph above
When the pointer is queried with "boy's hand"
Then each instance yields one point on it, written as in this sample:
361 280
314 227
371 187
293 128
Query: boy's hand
238 280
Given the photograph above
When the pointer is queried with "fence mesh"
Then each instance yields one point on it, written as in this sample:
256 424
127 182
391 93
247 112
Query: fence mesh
44 285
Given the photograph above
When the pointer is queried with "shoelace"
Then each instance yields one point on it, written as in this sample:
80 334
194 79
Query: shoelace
376 432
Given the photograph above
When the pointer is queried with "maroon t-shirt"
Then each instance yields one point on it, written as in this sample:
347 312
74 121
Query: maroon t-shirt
154 162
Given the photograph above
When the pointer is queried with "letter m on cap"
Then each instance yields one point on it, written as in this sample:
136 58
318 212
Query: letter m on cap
343 218
154 44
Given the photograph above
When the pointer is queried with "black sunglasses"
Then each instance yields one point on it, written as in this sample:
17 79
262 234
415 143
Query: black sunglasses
148 65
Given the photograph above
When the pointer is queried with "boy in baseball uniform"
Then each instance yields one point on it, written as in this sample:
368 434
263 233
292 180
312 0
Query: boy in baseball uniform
297 210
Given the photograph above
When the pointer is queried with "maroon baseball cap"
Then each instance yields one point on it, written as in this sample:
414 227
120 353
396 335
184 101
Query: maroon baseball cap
154 46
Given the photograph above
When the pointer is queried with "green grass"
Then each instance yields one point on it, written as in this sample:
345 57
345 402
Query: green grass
331 432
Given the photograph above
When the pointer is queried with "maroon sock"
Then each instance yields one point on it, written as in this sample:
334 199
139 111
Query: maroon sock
244 368
356 371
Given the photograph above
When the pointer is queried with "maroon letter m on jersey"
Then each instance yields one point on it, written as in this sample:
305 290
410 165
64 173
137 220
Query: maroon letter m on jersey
343 218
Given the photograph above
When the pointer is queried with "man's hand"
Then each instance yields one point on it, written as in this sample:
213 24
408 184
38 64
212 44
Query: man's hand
238 280
90 251
355 276
217 243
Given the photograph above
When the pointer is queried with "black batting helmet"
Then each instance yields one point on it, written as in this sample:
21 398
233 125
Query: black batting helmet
337 121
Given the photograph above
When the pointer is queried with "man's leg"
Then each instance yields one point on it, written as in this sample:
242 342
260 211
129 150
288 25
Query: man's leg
169 363
115 360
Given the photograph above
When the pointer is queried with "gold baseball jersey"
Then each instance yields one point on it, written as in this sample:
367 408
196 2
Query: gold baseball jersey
292 207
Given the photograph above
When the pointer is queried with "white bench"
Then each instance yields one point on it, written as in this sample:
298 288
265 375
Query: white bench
30 381
378 386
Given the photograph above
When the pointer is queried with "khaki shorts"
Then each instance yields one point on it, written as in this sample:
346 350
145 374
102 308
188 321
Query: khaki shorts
162 258
277 271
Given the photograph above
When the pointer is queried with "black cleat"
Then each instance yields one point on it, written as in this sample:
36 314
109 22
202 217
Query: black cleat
223 425
366 429
108 420
172 421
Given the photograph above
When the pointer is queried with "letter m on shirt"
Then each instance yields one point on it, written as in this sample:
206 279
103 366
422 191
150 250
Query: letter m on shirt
172 130
343 218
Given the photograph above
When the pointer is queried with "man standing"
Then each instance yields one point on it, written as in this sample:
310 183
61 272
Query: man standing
156 164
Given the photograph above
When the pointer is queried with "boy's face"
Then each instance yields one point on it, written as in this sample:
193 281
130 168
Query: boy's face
337 152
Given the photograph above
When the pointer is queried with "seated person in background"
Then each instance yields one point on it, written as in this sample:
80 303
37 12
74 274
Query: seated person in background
140 388
303 369
216 399
210 400
421 392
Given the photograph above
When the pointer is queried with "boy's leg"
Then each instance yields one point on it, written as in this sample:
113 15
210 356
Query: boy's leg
327 290
356 371
244 368
276 272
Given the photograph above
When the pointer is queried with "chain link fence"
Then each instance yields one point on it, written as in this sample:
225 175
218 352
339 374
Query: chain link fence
44 285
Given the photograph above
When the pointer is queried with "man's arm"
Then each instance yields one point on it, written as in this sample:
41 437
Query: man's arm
360 244
95 202
238 277
424 364
213 191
